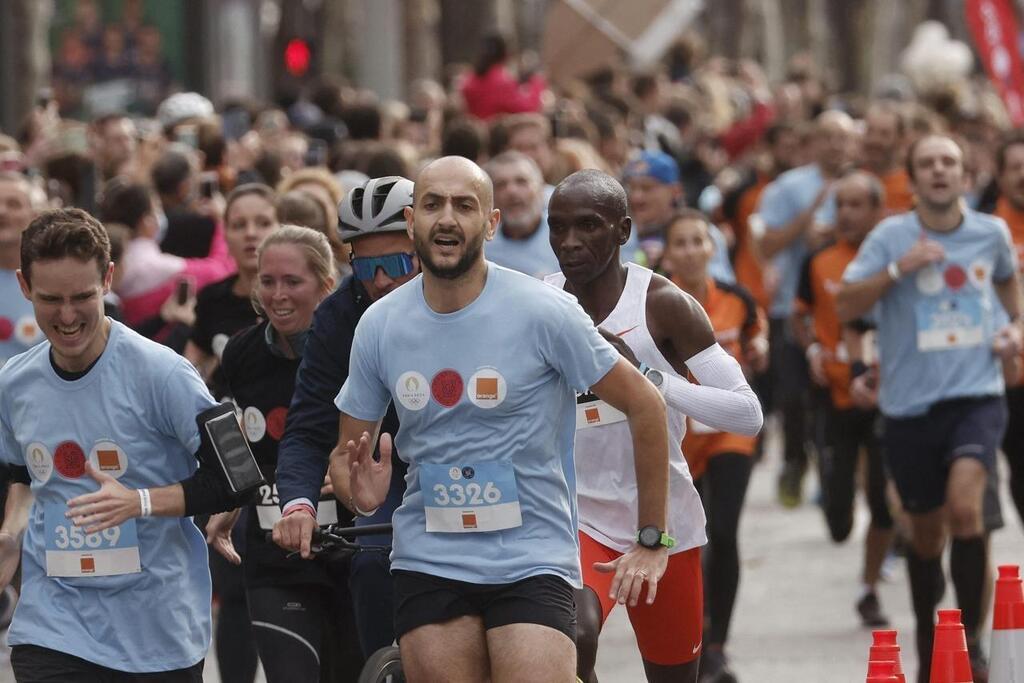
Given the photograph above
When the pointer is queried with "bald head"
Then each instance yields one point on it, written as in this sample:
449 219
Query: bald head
863 182
456 169
597 189
834 131
834 120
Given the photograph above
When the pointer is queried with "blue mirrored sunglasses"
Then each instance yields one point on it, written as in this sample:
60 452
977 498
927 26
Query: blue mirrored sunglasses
394 265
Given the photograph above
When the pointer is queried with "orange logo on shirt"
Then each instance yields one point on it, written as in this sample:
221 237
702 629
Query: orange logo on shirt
593 415
468 520
87 565
107 460
487 388
951 338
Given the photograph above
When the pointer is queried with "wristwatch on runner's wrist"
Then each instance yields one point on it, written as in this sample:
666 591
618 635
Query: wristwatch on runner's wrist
652 537
655 377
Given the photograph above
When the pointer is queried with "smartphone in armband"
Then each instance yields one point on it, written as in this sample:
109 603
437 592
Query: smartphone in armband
231 448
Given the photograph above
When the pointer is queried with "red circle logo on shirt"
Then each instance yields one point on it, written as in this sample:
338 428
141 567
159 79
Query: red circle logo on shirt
955 276
446 388
69 459
275 422
6 328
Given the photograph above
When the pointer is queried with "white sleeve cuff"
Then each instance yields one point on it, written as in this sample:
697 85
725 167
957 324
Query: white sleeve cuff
295 503
723 399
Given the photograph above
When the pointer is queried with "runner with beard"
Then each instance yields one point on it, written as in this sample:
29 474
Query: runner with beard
483 364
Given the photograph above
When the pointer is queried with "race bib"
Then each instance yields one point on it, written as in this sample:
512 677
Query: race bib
593 412
70 552
268 510
954 322
471 498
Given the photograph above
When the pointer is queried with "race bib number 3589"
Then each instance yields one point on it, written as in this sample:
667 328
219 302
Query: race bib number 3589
72 552
470 498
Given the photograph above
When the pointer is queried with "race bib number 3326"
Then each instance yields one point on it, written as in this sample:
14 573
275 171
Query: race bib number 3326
470 498
70 552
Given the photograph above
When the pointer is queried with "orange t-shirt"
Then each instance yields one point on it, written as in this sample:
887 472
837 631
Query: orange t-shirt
749 271
735 318
816 296
899 198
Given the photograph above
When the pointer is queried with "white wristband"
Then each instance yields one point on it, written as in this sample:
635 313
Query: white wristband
893 269
813 350
145 503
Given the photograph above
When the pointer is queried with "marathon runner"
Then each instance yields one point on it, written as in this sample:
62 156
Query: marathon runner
938 275
665 333
860 204
100 406
301 612
482 363
18 329
372 221
720 462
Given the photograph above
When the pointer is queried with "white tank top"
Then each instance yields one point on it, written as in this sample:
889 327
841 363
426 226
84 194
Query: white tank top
605 476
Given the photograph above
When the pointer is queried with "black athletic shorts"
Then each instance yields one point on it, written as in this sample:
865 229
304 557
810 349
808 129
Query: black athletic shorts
34 664
422 599
920 450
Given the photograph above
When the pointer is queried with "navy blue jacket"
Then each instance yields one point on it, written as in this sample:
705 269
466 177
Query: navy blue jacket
311 430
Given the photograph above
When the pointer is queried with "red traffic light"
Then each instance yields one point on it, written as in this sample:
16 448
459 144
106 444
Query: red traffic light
296 57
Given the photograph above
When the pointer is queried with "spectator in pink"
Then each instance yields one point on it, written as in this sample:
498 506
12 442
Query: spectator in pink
492 90
150 275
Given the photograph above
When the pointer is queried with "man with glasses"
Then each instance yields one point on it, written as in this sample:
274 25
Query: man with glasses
371 220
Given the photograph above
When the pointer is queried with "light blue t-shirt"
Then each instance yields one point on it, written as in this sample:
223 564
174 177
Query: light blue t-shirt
935 326
783 200
18 329
532 256
133 415
486 398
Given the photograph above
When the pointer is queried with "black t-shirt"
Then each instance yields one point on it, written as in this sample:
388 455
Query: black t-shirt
188 235
220 313
262 384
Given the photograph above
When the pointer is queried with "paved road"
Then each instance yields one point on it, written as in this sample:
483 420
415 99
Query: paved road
794 617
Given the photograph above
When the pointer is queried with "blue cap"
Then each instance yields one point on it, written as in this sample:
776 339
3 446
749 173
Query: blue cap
657 165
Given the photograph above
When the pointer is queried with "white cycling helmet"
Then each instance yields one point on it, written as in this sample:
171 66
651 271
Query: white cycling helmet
376 206
181 106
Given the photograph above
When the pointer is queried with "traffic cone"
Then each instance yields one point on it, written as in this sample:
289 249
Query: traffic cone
1007 664
885 649
882 672
950 661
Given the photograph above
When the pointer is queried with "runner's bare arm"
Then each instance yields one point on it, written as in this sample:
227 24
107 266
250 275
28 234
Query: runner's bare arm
855 299
680 326
19 502
1010 295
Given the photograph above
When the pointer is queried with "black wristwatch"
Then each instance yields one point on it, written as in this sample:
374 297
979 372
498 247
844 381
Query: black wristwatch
652 537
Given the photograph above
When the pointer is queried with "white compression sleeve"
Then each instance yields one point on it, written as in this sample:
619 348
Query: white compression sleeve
723 399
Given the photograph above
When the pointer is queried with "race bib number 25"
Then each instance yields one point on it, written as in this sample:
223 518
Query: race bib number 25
470 498
72 552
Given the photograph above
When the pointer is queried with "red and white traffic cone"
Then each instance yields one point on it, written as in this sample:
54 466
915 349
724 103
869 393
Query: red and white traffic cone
1007 663
882 672
885 649
950 661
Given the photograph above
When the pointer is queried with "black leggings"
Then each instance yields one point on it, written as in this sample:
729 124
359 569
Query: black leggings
845 432
305 632
1013 446
722 489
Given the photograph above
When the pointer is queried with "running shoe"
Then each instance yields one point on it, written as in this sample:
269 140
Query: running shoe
870 611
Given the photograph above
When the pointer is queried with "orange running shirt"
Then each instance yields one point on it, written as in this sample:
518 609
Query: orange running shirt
816 296
749 271
899 198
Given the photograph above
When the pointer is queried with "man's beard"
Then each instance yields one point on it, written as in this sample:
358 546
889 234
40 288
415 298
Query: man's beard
453 272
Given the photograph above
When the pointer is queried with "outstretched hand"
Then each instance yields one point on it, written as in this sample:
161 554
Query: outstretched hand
111 506
632 570
369 480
